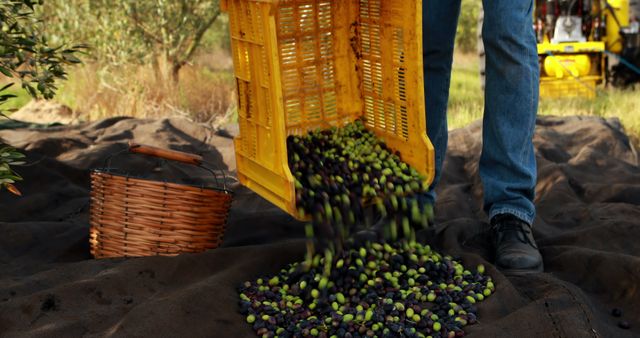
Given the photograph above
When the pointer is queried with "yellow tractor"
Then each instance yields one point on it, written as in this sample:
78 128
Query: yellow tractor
577 40
585 43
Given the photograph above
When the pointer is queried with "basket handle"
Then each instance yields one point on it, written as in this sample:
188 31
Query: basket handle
166 154
173 155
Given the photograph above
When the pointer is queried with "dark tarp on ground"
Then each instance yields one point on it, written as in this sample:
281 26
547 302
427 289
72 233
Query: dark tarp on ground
588 228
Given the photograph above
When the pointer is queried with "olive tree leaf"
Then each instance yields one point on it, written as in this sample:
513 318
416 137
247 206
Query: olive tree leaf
27 55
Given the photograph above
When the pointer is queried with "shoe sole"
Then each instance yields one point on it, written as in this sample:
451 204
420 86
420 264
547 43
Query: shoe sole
521 272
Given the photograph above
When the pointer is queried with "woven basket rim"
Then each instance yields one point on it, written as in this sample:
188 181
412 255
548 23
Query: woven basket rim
116 172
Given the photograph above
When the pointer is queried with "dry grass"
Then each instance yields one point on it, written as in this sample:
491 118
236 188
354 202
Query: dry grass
202 94
206 94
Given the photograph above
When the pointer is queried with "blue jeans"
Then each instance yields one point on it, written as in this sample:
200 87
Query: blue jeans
507 163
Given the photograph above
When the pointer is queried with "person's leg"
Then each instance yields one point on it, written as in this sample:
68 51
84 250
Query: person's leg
508 164
439 23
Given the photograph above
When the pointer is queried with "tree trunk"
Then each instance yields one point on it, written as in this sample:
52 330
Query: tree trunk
175 72
157 69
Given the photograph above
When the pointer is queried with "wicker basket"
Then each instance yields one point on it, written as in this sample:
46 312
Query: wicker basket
134 217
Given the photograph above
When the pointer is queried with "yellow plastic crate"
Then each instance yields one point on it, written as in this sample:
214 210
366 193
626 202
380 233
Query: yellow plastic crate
569 87
307 64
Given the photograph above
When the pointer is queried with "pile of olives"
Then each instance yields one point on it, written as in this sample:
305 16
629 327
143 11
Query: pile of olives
378 290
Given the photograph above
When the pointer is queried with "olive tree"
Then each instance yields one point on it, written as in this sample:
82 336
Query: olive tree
27 58
165 33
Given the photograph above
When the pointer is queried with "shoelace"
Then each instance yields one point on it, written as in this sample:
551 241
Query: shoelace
522 231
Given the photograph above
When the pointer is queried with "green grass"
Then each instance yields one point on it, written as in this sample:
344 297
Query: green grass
610 102
466 101
466 98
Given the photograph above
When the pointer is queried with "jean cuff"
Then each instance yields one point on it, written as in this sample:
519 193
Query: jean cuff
505 210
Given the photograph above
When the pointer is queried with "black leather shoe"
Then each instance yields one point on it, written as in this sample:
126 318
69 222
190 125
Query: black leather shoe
516 250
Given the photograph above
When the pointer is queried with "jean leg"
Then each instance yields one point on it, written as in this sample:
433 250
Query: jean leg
508 164
439 23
